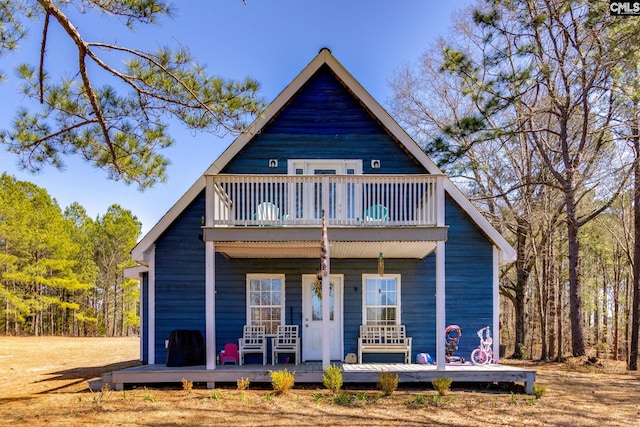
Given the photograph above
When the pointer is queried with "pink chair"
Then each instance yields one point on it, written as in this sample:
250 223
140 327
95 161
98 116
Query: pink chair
229 354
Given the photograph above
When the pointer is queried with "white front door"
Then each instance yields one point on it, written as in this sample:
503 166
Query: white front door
312 318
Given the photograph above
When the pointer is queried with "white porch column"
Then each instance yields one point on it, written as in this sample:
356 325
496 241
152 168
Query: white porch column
210 304
495 333
151 302
210 278
440 306
326 280
441 316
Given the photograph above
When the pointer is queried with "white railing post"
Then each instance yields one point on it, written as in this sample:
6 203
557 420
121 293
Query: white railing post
441 315
212 204
440 219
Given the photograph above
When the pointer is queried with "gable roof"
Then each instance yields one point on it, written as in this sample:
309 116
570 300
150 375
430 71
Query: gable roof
324 57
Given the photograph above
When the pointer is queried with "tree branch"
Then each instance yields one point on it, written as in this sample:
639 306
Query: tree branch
43 45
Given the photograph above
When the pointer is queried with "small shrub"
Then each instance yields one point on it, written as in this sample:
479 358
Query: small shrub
243 383
417 400
512 399
332 378
435 400
538 390
100 397
282 381
603 349
187 386
388 383
215 395
442 385
148 397
343 398
317 397
522 350
267 397
362 397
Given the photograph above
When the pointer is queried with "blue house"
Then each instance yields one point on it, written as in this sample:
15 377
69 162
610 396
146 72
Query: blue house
242 246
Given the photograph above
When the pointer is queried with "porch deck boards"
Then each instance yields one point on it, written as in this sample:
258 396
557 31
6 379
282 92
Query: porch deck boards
312 373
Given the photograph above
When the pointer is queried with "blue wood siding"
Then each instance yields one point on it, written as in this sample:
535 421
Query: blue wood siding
180 272
324 99
469 277
323 121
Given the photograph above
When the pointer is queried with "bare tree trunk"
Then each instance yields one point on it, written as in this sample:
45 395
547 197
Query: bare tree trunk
596 312
543 305
606 327
6 316
553 333
115 309
559 319
627 321
617 283
522 276
123 325
575 289
105 305
635 316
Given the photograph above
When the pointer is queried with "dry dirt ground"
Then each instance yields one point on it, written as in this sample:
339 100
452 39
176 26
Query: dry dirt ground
44 381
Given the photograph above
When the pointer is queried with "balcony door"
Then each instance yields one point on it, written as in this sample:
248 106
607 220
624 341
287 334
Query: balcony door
343 196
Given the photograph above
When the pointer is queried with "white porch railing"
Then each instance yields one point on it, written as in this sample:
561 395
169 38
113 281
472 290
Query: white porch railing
351 200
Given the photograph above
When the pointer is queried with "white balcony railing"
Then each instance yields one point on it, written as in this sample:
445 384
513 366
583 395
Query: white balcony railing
348 200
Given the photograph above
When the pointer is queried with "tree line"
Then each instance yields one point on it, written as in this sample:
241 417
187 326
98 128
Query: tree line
534 107
62 272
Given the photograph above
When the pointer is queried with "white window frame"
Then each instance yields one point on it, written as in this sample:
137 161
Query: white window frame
281 306
398 304
305 164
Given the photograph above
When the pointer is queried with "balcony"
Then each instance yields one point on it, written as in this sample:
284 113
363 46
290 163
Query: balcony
398 209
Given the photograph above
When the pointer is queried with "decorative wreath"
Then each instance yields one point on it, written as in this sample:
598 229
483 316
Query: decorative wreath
317 287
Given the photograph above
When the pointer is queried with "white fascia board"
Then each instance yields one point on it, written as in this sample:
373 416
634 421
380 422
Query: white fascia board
138 253
135 272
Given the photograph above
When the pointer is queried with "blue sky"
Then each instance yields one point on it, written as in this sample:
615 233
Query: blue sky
270 41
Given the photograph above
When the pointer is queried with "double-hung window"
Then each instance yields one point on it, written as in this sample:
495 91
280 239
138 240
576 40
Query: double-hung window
265 301
381 299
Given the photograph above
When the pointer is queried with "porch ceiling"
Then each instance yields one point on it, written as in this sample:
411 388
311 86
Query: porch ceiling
338 249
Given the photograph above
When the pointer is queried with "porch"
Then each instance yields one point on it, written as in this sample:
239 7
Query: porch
312 373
